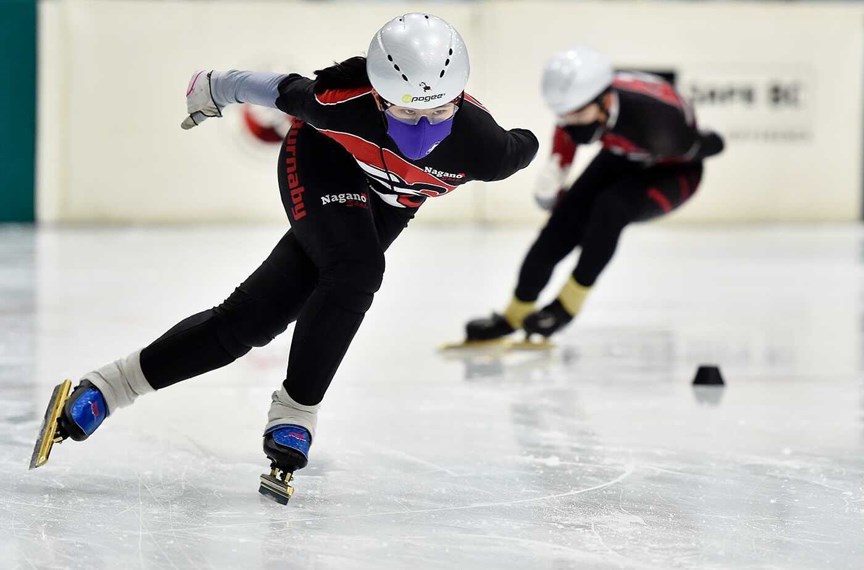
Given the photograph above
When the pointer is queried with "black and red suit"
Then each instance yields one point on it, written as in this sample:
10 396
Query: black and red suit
348 193
650 163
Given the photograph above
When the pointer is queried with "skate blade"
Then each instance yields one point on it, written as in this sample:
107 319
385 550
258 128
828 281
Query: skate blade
539 345
276 486
498 344
48 433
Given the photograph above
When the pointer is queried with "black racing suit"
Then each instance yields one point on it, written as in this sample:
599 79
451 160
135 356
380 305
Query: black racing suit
650 163
348 193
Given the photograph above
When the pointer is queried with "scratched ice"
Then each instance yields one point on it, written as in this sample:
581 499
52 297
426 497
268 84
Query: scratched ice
600 455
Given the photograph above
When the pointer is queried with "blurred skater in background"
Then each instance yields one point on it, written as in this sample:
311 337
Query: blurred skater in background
650 163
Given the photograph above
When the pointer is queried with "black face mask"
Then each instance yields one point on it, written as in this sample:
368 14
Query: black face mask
585 134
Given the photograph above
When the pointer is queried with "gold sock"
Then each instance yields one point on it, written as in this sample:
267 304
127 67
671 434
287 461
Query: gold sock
517 311
572 296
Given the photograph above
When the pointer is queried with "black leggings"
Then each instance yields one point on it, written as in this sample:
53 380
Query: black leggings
611 193
323 273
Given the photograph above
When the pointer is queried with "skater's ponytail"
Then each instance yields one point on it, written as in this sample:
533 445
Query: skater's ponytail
349 74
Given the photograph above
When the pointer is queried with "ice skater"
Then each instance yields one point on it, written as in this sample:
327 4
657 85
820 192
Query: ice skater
373 138
650 163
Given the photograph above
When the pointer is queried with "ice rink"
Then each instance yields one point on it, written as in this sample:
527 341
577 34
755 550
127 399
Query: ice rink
598 455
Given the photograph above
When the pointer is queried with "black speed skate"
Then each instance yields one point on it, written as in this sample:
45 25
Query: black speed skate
287 447
487 328
548 320
489 333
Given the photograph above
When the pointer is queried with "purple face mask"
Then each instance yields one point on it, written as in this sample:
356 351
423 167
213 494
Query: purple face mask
416 141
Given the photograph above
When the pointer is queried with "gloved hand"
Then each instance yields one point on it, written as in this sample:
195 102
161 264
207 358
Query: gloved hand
199 101
711 144
548 188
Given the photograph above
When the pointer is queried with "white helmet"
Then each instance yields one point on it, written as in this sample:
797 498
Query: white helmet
574 78
418 61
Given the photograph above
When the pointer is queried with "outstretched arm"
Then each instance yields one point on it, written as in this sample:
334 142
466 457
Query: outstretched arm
210 92
255 87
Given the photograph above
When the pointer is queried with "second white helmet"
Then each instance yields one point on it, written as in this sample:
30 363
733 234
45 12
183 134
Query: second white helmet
574 78
418 61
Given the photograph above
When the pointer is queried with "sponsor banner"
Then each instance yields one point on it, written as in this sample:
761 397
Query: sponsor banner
755 104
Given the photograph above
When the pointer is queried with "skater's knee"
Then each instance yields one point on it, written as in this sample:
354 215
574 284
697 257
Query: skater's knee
353 283
253 324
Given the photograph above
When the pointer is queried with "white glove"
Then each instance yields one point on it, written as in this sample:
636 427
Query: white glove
199 101
549 183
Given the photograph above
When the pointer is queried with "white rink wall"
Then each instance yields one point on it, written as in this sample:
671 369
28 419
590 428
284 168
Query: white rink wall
782 82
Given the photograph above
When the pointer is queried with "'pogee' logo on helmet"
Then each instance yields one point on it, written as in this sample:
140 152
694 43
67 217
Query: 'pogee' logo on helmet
424 99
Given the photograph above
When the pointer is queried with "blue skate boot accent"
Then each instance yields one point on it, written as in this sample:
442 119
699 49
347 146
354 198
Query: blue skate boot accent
287 446
85 410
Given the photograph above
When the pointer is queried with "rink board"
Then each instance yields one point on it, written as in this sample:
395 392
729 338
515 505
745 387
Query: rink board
782 82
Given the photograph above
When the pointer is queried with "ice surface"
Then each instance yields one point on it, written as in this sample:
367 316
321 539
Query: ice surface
599 455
